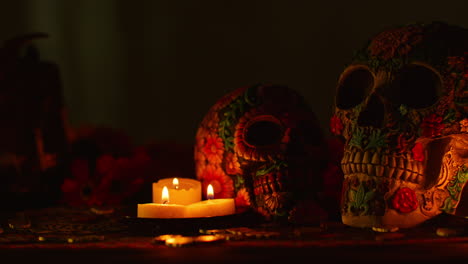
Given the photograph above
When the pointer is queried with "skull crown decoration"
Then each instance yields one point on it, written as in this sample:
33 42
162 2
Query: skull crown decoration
401 108
262 145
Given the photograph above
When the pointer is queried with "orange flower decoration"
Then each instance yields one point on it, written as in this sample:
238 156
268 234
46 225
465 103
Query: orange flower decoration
464 125
223 185
232 164
242 200
213 148
200 163
211 121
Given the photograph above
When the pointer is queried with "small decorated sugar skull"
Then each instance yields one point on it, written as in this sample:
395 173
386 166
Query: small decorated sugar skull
401 108
261 145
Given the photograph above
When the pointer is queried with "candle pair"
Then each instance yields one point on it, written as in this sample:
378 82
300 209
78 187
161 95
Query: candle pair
182 199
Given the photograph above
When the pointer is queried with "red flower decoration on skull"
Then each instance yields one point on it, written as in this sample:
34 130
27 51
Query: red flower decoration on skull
418 152
432 126
336 126
405 200
232 164
242 200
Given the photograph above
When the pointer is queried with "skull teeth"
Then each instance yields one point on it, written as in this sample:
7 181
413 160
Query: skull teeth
376 163
267 184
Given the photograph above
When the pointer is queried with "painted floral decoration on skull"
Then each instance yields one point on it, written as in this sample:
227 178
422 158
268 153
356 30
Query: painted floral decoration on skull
402 110
261 145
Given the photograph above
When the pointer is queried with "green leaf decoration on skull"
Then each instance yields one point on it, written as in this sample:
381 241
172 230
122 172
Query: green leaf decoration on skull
376 140
357 138
277 165
233 112
359 199
450 116
403 109
454 188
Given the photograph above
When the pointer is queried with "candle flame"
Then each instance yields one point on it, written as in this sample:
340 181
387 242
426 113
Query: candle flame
165 195
175 183
210 192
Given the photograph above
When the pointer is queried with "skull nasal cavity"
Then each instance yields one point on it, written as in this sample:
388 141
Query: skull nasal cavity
263 133
373 113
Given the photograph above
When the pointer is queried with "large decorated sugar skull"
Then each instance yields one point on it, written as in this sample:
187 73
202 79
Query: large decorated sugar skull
401 107
261 145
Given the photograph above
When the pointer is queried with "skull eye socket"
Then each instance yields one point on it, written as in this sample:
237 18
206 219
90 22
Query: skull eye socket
417 86
353 87
263 133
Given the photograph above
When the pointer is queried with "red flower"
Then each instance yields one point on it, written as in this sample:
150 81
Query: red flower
336 126
405 200
432 125
112 181
418 152
77 190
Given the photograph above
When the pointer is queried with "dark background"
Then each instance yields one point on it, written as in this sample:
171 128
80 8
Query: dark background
153 68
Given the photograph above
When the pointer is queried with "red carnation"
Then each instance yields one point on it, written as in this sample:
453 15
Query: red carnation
405 200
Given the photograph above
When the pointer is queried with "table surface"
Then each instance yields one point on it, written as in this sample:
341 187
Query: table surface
65 235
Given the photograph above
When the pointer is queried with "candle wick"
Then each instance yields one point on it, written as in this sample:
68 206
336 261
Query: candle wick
165 202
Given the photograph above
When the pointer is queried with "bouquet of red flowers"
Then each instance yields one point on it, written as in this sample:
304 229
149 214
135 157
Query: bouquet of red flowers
107 170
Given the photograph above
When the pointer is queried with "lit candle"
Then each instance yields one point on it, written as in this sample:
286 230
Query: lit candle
175 183
165 196
182 190
175 203
211 207
209 192
161 210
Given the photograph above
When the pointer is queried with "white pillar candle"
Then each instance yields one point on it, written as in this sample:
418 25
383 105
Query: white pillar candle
163 209
186 192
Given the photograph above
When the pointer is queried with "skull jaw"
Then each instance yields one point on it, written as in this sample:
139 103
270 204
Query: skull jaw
369 202
430 205
274 205
391 219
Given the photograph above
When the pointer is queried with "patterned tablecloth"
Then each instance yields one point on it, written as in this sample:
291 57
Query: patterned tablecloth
85 229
